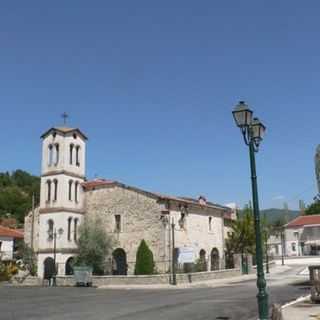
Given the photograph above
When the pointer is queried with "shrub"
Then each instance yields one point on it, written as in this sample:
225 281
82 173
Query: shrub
144 260
94 245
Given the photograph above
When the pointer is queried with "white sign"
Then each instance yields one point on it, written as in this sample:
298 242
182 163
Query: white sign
186 255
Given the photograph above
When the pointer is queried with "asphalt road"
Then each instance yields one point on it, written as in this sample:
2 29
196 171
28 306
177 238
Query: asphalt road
231 302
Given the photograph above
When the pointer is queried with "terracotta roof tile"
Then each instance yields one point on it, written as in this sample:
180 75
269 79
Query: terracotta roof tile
13 233
91 185
303 221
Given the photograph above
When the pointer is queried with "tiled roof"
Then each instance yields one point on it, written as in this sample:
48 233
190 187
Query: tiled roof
92 184
96 183
12 233
303 221
64 130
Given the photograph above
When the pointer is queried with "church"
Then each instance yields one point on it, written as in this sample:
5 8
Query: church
128 213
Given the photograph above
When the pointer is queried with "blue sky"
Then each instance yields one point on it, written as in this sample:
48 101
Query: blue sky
153 84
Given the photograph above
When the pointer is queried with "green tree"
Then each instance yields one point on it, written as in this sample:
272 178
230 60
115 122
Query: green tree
16 191
242 238
313 208
94 245
144 260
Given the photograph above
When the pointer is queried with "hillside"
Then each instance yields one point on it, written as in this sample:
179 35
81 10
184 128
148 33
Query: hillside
16 191
274 214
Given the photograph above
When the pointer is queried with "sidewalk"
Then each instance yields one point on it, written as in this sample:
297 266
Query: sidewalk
203 284
303 309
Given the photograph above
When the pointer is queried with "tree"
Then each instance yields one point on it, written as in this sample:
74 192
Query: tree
16 191
94 245
313 208
144 259
242 238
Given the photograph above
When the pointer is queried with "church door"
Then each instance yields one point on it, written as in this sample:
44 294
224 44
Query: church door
119 262
49 268
69 266
215 263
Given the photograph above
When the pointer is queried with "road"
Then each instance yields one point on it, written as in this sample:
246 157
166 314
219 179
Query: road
229 302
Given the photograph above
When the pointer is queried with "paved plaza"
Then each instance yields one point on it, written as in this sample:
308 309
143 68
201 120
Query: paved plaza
234 301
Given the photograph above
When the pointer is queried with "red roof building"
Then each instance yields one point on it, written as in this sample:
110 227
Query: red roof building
10 233
304 221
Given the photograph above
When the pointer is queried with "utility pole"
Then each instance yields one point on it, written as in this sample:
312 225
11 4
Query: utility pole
174 277
54 257
32 222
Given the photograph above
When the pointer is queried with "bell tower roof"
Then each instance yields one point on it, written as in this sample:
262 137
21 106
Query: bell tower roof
64 131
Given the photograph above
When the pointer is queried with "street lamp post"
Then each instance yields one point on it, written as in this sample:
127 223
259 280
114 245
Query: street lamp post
174 276
282 246
253 130
60 232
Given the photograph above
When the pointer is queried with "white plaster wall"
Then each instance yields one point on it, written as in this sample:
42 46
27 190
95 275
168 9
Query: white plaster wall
197 235
6 251
63 192
64 142
60 220
61 259
290 239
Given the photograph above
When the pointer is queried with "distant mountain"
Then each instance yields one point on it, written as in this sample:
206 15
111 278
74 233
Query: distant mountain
274 214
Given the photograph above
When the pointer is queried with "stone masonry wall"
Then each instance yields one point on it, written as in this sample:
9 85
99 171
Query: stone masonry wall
140 219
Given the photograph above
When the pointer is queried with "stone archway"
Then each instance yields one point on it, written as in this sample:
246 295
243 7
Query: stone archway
215 259
69 266
48 268
203 260
119 262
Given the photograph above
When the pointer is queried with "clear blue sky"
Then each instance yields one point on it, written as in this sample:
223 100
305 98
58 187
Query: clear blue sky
153 84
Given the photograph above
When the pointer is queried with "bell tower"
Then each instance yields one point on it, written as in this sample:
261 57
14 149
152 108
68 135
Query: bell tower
61 196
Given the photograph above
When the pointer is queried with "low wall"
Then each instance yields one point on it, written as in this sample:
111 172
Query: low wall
98 281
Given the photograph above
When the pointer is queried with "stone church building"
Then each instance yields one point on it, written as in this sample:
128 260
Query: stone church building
129 214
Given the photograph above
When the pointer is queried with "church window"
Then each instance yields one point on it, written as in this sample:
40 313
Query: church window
74 136
71 153
182 220
50 229
56 160
76 189
117 223
69 228
55 195
50 154
78 156
48 190
210 223
70 189
75 233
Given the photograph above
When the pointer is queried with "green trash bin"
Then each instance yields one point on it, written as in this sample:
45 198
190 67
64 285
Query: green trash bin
83 276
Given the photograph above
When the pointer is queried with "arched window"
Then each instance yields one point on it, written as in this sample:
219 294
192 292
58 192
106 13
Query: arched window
76 189
210 223
50 154
55 195
77 156
71 153
75 232
56 160
48 190
69 228
70 189
50 229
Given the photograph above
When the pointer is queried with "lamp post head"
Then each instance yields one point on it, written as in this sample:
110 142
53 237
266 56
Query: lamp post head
242 115
258 130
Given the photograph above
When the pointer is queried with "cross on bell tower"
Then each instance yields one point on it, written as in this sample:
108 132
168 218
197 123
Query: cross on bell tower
65 116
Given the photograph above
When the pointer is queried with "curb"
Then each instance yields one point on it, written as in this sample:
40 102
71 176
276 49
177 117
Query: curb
301 299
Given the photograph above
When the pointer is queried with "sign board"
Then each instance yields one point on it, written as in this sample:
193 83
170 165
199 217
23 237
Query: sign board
186 255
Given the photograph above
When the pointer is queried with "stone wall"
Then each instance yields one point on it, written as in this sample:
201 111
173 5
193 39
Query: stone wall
140 219
182 278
